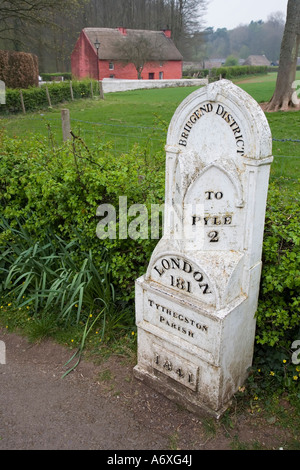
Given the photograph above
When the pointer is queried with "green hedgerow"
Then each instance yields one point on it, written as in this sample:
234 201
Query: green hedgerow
35 98
60 190
279 306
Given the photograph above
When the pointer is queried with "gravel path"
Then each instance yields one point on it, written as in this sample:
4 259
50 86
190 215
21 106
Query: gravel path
98 407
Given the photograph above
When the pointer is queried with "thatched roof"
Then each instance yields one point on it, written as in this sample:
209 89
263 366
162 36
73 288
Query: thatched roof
162 47
257 60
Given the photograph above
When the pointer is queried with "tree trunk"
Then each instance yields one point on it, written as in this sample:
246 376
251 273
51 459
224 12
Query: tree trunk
282 98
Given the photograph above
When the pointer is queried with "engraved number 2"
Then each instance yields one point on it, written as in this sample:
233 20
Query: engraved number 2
214 237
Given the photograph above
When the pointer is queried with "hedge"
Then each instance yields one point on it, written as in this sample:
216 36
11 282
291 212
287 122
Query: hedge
61 189
35 98
276 68
229 72
239 70
48 77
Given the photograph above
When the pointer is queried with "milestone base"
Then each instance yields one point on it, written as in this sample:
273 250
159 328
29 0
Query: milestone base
177 396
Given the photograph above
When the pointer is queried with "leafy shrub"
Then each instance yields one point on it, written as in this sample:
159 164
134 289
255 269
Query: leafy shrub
230 72
231 61
199 73
48 77
279 307
60 190
274 373
239 70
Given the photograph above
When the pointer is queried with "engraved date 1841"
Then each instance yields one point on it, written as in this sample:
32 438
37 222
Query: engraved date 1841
176 368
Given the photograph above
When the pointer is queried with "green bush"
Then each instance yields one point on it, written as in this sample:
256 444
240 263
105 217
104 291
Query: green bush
231 61
60 189
230 72
279 307
48 77
239 70
199 73
35 98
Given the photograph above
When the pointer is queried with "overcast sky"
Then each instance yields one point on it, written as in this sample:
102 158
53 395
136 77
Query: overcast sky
230 13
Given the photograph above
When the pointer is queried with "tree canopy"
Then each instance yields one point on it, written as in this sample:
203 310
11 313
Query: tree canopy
256 38
50 28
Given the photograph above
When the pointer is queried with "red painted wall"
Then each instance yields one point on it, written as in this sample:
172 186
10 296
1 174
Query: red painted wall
84 64
84 59
170 70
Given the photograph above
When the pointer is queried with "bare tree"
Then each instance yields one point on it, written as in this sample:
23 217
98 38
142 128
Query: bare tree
138 50
23 10
282 98
43 27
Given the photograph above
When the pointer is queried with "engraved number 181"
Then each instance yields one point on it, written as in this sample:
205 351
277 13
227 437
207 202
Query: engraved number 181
180 284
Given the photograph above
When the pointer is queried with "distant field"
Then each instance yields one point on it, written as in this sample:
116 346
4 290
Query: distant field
261 87
142 117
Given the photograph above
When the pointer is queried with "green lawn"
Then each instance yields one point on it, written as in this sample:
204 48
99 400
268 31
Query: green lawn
284 126
134 108
142 116
261 87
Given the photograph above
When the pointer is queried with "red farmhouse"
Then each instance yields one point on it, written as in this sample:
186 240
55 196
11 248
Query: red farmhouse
164 61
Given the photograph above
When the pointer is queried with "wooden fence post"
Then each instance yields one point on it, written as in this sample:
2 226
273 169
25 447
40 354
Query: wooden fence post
48 97
71 90
22 102
66 126
101 90
92 91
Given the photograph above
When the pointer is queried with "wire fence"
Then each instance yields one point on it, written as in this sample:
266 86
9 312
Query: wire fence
289 141
286 164
121 137
286 140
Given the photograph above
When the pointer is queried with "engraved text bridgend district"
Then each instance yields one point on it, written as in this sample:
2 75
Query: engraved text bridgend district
219 111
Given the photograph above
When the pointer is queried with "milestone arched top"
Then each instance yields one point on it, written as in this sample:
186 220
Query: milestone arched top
223 109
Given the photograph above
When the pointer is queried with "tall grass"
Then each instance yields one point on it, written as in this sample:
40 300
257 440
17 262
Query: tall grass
52 277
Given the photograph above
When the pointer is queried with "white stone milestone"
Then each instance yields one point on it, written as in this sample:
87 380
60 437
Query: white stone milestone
196 304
